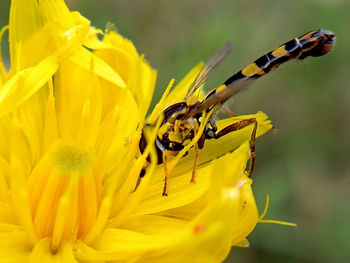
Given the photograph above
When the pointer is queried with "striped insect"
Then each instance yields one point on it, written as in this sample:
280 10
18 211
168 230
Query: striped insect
182 120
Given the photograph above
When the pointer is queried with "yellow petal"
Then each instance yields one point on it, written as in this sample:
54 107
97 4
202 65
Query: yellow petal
179 245
14 246
248 215
142 84
122 56
42 253
2 66
179 92
153 224
83 58
180 191
24 22
25 83
38 28
232 167
31 116
162 237
55 10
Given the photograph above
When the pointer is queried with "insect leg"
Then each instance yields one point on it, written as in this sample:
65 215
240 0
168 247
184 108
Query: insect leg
238 126
252 148
196 149
165 174
228 111
139 178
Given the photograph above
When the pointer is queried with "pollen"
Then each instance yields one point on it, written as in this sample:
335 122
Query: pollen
69 158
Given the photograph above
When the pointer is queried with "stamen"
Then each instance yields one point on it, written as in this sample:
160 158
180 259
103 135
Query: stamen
63 193
272 221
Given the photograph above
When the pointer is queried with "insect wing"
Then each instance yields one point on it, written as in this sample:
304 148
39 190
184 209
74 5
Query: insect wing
219 98
214 62
228 102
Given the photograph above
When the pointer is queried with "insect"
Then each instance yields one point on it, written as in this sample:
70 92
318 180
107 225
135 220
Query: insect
182 120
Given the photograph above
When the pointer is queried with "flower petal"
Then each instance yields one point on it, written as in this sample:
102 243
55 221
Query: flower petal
29 16
180 245
25 83
7 214
180 191
153 224
3 72
179 92
42 253
14 246
55 10
24 22
83 59
122 56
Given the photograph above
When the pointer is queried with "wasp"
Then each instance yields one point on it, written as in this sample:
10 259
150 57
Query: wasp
182 120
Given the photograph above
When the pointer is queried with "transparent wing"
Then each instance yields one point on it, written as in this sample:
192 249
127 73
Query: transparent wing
225 110
217 100
214 62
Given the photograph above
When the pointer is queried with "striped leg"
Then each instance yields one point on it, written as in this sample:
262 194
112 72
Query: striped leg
165 174
196 149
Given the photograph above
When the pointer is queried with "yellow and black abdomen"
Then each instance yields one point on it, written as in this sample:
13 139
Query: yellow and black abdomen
315 43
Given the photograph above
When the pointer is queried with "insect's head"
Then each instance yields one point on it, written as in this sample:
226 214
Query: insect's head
176 130
175 112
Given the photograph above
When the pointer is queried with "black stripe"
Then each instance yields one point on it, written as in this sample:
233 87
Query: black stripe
237 76
277 62
256 76
306 44
293 47
262 62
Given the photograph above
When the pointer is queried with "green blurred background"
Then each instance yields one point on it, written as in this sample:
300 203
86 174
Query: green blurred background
305 166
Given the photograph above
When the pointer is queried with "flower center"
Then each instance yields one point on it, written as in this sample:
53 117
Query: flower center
68 158
64 193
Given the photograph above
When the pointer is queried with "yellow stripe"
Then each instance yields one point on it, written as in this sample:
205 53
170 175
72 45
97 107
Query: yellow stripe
307 36
279 52
252 69
220 88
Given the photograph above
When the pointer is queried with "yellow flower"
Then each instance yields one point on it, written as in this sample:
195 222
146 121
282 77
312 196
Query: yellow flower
72 108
